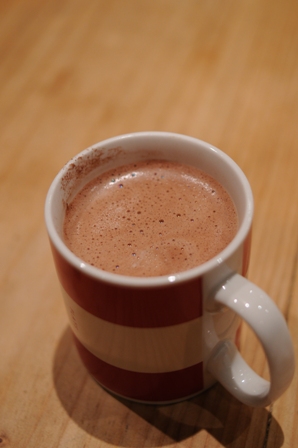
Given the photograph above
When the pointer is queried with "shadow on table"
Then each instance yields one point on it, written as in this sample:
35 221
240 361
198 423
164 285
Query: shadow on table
123 423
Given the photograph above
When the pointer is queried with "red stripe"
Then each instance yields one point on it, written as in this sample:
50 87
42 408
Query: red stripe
137 307
246 253
150 387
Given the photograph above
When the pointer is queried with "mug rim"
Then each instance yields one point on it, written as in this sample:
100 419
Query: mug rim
156 281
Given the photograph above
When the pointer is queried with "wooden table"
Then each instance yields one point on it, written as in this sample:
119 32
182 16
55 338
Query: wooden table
75 72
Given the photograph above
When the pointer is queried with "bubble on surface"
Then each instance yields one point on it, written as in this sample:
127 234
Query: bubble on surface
110 227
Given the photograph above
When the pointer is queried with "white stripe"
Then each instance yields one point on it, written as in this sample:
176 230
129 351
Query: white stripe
150 350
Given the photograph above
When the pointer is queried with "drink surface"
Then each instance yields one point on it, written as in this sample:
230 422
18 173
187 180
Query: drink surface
149 219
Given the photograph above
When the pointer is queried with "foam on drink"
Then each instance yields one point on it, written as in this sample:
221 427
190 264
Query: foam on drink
149 219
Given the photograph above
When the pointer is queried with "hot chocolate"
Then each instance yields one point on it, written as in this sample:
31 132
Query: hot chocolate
150 218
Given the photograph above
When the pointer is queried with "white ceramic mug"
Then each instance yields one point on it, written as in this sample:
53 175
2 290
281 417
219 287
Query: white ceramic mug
167 338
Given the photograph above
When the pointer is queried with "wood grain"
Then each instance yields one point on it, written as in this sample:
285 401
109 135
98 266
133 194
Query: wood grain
73 73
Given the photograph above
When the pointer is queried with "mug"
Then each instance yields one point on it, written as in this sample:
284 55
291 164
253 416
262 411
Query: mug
164 339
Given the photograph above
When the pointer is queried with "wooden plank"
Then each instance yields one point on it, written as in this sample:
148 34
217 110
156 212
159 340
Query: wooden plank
73 73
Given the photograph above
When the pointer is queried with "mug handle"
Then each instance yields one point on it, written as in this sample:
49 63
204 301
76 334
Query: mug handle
226 364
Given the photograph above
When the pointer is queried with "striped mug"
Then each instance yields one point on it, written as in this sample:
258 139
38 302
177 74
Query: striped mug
167 338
